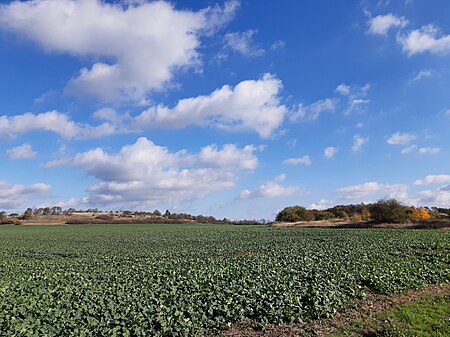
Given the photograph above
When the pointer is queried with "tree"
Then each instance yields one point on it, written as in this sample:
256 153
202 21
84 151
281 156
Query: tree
156 212
420 213
56 210
167 213
295 213
389 211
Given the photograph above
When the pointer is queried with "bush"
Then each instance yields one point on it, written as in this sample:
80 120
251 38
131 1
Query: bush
420 213
356 218
390 211
323 215
295 213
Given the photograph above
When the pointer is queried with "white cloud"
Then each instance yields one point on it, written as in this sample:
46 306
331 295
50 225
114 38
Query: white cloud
69 203
24 151
358 142
313 111
52 121
143 174
271 189
251 104
136 48
279 44
426 39
433 179
305 160
423 74
401 138
381 24
230 155
437 198
15 196
357 192
330 151
321 205
429 150
421 150
355 94
409 149
242 42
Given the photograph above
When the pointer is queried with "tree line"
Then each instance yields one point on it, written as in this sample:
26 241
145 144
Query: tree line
385 210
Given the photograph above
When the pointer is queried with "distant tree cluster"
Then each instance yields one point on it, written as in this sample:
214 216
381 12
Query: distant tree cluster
385 210
125 216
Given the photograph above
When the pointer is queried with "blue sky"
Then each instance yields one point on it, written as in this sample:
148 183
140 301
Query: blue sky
231 108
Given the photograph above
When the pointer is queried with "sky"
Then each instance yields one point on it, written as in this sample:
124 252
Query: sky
230 108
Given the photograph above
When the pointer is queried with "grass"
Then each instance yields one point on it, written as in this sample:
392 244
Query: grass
427 317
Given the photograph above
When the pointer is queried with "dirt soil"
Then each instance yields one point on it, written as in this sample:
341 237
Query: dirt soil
367 309
433 224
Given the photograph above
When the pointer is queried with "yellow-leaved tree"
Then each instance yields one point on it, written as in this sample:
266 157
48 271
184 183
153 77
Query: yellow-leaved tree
420 213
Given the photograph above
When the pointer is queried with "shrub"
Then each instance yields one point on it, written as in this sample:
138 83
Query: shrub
295 213
323 215
420 213
390 211
356 218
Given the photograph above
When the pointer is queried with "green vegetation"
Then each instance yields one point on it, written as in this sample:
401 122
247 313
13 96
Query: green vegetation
428 317
385 210
164 280
295 213
390 211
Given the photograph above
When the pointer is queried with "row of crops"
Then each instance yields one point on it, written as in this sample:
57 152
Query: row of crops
166 280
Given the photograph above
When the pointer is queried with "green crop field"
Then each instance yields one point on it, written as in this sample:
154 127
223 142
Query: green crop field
170 280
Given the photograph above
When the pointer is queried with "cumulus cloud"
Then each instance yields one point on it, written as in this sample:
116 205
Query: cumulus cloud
143 174
24 151
425 39
134 48
401 138
380 25
358 142
271 189
69 203
305 160
15 196
312 112
251 104
433 179
230 156
330 151
437 198
242 43
370 189
321 205
52 121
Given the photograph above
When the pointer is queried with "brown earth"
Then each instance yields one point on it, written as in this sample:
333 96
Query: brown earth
88 218
366 310
426 224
